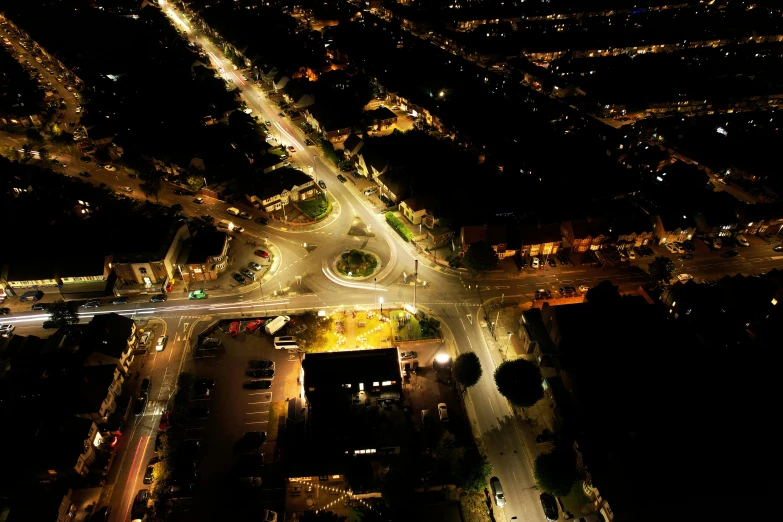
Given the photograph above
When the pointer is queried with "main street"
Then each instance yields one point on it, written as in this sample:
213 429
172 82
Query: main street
453 296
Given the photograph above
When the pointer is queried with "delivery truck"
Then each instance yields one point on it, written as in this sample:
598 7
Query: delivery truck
276 324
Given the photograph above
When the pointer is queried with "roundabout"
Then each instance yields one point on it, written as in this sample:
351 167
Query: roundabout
357 264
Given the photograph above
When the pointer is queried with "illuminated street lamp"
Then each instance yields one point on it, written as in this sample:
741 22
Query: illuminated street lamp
380 300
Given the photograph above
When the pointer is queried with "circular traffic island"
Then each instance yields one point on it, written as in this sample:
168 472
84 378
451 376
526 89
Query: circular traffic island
357 264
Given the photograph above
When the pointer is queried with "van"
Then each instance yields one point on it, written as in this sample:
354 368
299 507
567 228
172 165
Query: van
233 211
228 225
276 324
32 295
286 343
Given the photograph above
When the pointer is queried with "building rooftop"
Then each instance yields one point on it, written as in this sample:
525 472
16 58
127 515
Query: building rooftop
207 243
274 183
537 234
158 234
107 334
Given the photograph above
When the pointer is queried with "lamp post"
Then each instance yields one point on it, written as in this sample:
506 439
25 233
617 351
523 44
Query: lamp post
179 267
380 300
508 343
315 171
375 288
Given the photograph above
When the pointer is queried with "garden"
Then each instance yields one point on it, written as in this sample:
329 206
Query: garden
317 207
357 263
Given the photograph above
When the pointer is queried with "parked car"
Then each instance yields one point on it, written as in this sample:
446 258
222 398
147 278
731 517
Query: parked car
254 325
5 311
120 300
341 178
426 419
197 294
730 253
199 412
742 241
370 191
238 278
688 245
261 364
148 475
161 344
685 257
549 505
254 265
164 420
262 253
158 298
717 243
535 262
198 201
38 307
543 294
497 492
248 273
92 303
257 385
110 168
180 192
778 248
85 174
443 412
408 356
584 288
322 184
245 215
233 329
262 221
145 386
671 248
6 329
259 373
141 403
139 508
567 291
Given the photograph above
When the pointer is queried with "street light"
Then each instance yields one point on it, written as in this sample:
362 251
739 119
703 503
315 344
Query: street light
380 300
505 355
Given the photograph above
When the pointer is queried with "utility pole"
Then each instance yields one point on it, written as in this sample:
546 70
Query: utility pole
315 171
415 281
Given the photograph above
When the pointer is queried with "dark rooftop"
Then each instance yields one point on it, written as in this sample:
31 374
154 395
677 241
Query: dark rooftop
207 243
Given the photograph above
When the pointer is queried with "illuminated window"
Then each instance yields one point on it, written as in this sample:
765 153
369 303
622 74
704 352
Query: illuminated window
386 383
376 383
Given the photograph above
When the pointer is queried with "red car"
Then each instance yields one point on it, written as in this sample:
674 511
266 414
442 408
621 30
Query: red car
233 329
168 286
261 253
254 325
291 149
164 420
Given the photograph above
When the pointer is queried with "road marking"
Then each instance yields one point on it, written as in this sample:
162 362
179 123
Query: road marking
257 413
258 422
259 402
258 393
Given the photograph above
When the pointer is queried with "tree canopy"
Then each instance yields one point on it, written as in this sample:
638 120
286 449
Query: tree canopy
480 257
519 381
467 369
661 268
321 516
555 472
64 312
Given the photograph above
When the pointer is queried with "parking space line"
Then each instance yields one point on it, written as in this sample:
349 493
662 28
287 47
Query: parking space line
259 393
257 412
260 402
258 422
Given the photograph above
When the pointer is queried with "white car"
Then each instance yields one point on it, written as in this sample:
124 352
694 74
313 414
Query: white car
671 248
631 254
535 262
680 248
684 277
443 412
742 240
6 328
370 191
161 344
717 243
110 168
127 189
584 288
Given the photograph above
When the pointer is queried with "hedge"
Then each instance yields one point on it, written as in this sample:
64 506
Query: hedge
399 226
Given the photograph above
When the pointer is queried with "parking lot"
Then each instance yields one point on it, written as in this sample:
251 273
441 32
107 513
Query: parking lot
234 411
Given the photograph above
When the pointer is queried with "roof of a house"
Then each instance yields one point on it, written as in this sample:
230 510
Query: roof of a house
31 270
295 89
328 373
379 114
492 234
538 234
81 265
159 232
329 118
279 180
93 387
396 181
421 202
207 243
373 159
107 334
353 143
583 228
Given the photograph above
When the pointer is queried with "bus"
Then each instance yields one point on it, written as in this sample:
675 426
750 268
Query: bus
286 343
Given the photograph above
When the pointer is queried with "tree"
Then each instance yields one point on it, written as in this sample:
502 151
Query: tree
396 489
555 472
321 516
480 257
315 334
64 313
472 470
519 381
467 369
661 268
151 183
43 153
10 152
195 182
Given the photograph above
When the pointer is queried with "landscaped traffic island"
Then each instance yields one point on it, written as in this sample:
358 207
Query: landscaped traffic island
357 263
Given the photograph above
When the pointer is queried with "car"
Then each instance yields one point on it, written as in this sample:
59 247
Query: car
684 277
309 142
149 474
443 412
497 492
102 515
132 176
176 207
206 383
6 329
92 303
551 261
267 123
257 385
408 356
322 184
346 169
567 291
197 294
584 288
250 481
730 253
39 307
267 373
110 168
239 229
261 364
680 248
5 311
191 445
145 386
549 505
141 403
127 190
120 300
180 192
262 221
208 219
161 344
245 215
254 325
198 201
341 178
281 114
535 262
426 419
200 392
778 248
261 253
742 241
542 293
248 273
238 278
158 298
86 159
717 243
254 265
370 191
164 420
199 412
671 248
685 257
139 508
233 329
631 254
688 245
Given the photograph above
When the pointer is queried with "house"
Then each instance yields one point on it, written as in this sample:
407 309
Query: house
761 218
206 258
370 164
48 500
145 254
62 449
379 119
329 121
420 210
503 240
584 234
92 391
394 184
100 134
30 274
540 239
296 94
84 276
109 339
352 145
671 227
280 81
631 228
279 188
